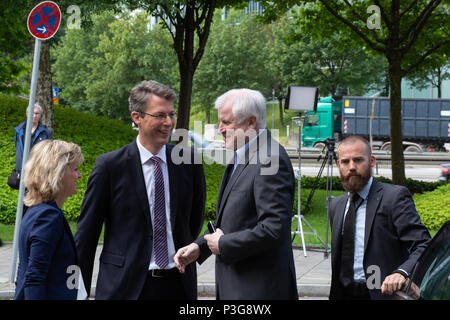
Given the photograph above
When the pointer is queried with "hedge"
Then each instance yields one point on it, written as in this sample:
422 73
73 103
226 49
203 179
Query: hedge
434 206
97 135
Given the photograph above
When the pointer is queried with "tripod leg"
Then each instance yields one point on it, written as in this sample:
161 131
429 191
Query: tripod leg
316 182
302 235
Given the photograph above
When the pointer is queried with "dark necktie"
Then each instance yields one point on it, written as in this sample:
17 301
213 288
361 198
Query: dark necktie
348 243
159 217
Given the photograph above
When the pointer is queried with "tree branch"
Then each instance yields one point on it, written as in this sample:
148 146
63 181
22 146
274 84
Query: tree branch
371 44
203 36
415 28
422 58
358 17
383 14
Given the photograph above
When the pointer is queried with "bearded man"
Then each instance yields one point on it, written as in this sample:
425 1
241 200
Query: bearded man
377 234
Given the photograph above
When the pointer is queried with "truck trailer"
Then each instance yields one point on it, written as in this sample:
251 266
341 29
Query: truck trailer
425 122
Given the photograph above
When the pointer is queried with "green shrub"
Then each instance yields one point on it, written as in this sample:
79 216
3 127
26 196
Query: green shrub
97 135
434 206
94 134
213 176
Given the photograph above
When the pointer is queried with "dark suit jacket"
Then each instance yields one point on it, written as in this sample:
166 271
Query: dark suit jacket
254 211
116 196
394 235
46 250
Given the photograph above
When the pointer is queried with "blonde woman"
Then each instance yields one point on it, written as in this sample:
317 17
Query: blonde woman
48 267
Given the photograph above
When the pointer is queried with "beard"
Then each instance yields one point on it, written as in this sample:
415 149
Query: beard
354 181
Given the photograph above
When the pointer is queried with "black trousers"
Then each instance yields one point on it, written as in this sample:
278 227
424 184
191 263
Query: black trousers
356 291
163 285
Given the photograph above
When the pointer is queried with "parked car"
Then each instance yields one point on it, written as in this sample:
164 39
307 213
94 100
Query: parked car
445 172
198 141
431 275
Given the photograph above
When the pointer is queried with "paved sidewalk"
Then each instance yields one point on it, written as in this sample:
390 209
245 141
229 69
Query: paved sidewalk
313 273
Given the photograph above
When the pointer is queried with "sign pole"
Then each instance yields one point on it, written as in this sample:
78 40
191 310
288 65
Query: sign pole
26 151
43 22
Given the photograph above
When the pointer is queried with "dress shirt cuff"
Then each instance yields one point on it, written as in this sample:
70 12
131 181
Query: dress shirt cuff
402 272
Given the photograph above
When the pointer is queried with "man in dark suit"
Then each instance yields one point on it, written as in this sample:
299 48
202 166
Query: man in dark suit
149 206
377 235
252 243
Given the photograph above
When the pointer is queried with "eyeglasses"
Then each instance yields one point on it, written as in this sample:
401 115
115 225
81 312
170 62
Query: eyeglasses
161 116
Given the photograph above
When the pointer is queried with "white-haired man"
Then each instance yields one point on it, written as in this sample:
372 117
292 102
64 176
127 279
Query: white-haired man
252 243
39 132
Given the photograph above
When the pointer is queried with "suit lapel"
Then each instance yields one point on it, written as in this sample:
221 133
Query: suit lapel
373 201
224 192
138 182
171 168
338 221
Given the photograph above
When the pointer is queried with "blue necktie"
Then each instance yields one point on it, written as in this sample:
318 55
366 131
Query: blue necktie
159 217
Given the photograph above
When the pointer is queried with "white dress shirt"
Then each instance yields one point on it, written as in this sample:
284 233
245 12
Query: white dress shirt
360 224
147 169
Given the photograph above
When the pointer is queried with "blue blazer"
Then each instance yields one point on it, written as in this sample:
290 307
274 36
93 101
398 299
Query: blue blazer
40 134
46 250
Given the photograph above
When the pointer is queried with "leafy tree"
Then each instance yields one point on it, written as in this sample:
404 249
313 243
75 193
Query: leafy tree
189 23
406 33
329 63
432 72
13 38
236 56
97 68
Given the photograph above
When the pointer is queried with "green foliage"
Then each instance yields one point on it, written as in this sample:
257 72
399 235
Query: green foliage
434 206
13 35
213 176
95 135
236 56
301 56
414 186
97 68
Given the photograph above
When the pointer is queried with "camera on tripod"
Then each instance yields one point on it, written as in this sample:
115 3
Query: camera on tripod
329 144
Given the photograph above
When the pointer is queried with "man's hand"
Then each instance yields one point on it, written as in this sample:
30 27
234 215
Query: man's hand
213 241
393 283
186 255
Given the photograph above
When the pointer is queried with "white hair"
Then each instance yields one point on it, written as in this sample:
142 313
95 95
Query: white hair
246 103
37 105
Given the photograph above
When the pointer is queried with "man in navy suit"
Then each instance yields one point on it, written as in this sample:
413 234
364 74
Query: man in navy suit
149 206
377 235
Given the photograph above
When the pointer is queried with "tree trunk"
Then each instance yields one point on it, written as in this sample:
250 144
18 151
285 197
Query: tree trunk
280 104
44 95
184 102
208 115
397 158
439 82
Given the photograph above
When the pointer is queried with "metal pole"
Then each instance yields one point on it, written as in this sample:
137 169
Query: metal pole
370 127
273 109
26 150
299 218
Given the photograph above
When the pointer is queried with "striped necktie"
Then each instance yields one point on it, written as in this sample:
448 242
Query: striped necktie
159 217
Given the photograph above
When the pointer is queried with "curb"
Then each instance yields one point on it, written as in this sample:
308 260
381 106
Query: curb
209 290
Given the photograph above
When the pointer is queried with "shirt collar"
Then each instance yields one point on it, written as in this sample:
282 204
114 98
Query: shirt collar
145 155
240 153
365 191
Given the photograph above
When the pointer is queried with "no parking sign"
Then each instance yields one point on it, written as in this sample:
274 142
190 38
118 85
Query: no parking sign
44 20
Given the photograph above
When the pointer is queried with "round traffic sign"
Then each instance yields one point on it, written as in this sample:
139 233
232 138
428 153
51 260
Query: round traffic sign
44 20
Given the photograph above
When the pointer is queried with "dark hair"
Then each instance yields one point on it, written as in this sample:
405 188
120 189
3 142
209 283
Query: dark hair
143 91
